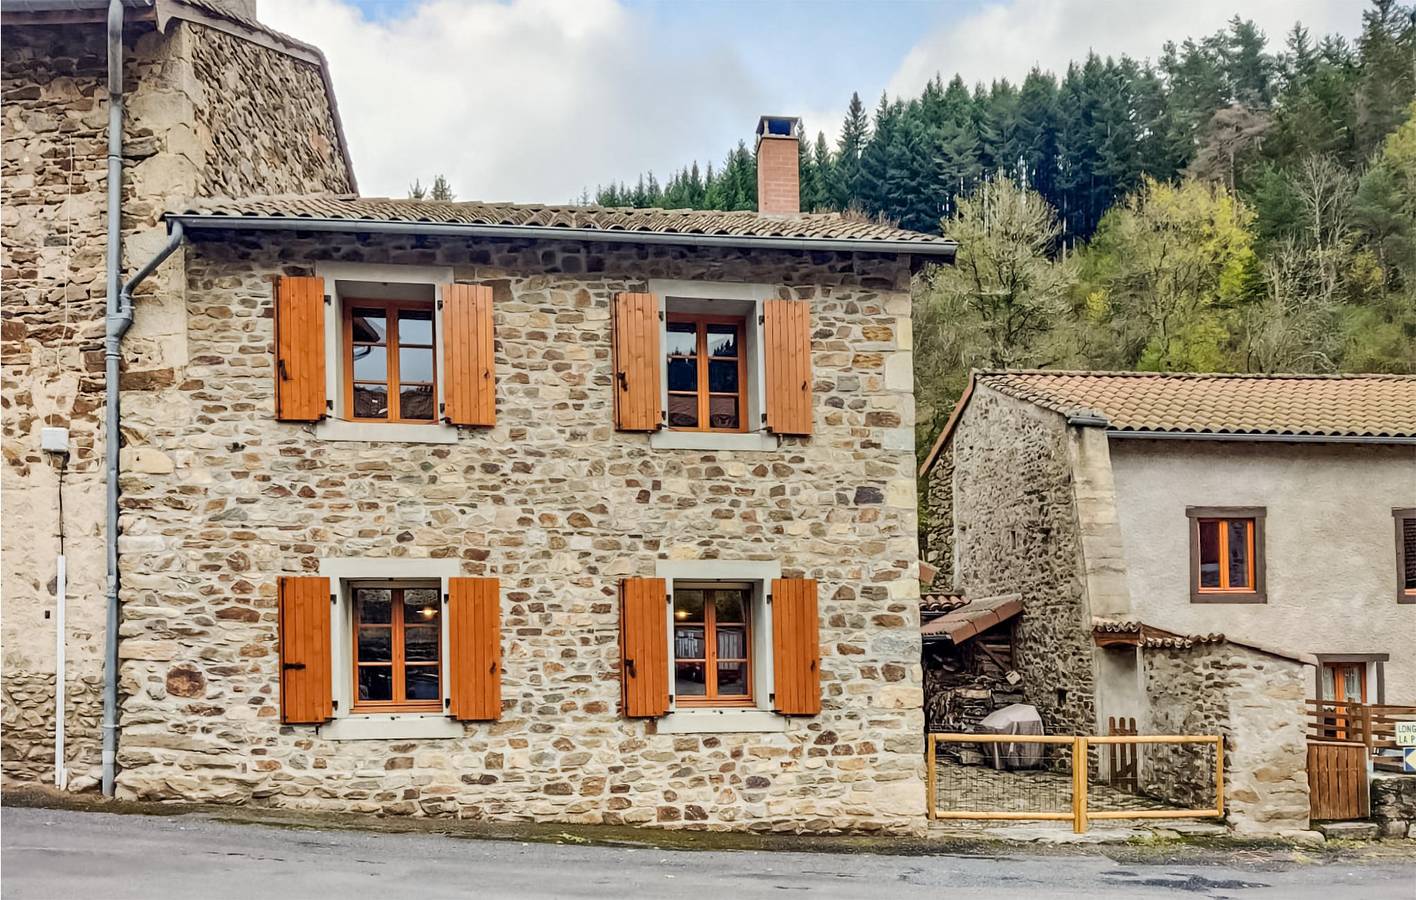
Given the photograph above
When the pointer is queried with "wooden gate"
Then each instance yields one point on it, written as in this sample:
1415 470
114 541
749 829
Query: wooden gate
1337 780
1125 774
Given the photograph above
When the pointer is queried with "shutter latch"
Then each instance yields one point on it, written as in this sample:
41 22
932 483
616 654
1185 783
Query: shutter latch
292 666
629 667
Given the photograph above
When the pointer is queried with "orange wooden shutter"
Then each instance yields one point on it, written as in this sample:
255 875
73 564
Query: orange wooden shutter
787 347
299 349
636 362
796 647
474 646
306 688
644 646
469 363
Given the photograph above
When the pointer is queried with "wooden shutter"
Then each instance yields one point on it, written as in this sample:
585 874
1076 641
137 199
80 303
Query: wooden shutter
644 646
636 362
299 349
474 647
469 363
306 688
796 647
787 348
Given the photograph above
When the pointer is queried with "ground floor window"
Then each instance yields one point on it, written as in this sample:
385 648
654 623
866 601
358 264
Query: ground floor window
713 644
397 648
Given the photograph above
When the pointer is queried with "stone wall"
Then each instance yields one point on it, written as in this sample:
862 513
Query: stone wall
1252 698
1394 804
936 523
556 504
1015 532
53 178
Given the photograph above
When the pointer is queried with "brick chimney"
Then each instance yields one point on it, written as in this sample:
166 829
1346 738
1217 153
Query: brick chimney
778 174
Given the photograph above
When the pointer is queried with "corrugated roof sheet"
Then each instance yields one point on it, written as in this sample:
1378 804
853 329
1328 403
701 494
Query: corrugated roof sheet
685 222
1320 405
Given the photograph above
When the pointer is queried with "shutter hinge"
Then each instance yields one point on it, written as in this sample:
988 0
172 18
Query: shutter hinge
445 598
772 697
439 304
442 407
334 704
769 599
329 405
761 320
661 315
329 301
447 703
333 598
764 418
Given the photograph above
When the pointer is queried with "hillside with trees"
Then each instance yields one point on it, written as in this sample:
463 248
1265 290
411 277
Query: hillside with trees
1237 204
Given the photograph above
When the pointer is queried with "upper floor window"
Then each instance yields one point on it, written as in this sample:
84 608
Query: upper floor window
1226 554
1405 555
390 372
707 373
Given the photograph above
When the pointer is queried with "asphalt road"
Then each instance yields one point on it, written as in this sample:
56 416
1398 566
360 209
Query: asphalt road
68 855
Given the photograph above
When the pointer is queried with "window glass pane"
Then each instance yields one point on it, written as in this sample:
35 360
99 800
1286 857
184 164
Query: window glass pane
722 340
732 642
1209 554
370 325
415 364
1351 684
375 683
415 401
1238 553
732 679
370 363
374 605
420 643
683 375
1408 543
370 401
689 643
1328 689
375 643
689 680
723 376
421 683
415 326
729 605
723 412
683 411
688 605
682 339
420 605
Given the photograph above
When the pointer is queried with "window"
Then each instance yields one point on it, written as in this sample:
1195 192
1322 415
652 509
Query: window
1405 555
397 649
1345 682
707 373
389 365
712 644
1226 555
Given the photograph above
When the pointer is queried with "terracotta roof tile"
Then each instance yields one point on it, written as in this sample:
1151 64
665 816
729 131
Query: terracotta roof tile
941 601
685 222
1326 405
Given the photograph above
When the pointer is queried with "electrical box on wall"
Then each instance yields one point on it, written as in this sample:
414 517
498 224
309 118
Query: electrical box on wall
54 440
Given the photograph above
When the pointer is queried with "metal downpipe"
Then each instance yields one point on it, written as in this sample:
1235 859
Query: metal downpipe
112 338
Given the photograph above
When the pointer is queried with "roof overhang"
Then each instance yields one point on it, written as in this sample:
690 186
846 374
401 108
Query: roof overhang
1262 437
944 252
969 621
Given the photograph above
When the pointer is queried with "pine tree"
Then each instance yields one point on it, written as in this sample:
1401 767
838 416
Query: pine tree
855 135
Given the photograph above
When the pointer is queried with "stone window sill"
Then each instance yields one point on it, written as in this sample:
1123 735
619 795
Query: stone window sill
666 439
391 728
722 721
374 432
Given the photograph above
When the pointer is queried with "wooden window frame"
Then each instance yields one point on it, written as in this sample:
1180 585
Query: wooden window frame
392 344
397 664
710 696
1401 516
1257 591
701 323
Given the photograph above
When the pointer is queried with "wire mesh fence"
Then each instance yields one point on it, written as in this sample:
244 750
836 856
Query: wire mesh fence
1062 778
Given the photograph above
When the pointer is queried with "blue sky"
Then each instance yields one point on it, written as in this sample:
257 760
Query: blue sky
535 100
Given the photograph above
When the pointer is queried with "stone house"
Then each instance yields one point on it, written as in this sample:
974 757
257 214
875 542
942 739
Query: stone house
1199 552
510 512
215 104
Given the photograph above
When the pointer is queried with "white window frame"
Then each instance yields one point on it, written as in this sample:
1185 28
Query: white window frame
347 725
734 298
759 718
336 426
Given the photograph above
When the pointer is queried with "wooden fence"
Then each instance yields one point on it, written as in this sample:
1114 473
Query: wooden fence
1370 724
1337 780
1080 816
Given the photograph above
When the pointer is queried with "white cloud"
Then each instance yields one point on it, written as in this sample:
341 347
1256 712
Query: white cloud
529 100
1009 38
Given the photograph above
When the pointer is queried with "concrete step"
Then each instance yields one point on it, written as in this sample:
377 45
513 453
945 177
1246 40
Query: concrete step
1356 830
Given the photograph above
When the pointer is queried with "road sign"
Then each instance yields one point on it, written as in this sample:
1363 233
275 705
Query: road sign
1408 759
1406 734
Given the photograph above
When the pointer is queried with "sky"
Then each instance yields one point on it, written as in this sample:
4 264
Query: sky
538 100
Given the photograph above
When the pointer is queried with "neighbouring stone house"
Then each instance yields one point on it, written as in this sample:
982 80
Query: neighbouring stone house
511 512
216 104
1200 552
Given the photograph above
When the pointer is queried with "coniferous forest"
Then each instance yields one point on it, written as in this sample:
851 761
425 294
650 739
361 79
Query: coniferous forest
1239 203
